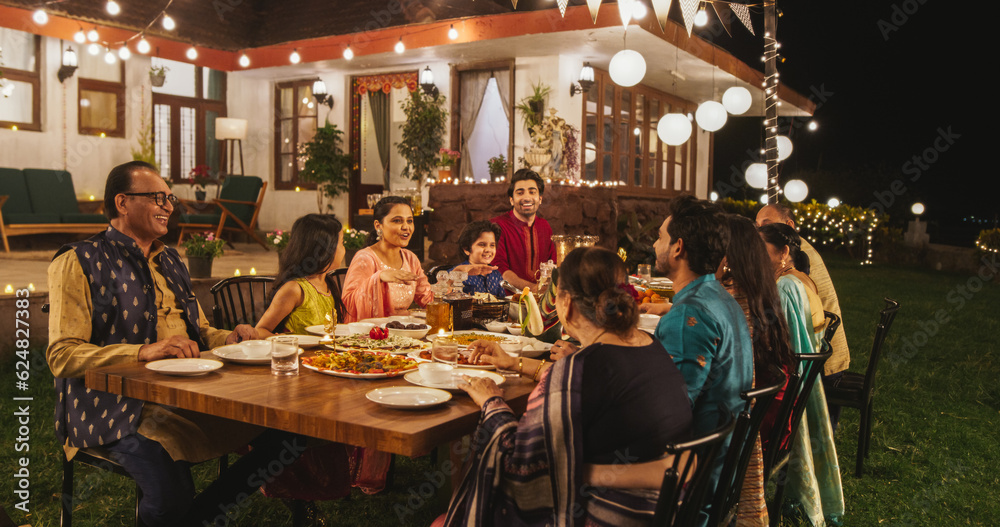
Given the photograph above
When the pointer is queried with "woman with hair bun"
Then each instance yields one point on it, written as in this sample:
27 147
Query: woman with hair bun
621 392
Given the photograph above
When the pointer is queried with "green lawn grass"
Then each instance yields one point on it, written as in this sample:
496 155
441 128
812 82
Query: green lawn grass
934 454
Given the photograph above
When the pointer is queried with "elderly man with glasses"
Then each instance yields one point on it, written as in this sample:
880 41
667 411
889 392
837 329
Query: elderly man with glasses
123 296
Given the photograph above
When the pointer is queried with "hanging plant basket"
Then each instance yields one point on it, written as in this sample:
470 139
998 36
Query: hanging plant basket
157 80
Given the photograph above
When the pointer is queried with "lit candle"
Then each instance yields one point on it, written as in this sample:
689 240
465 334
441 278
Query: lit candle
237 273
91 197
253 271
9 289
31 287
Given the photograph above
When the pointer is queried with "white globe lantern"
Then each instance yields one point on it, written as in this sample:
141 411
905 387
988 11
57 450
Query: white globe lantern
917 208
627 68
674 129
796 190
713 196
763 198
784 147
756 175
737 100
711 116
833 203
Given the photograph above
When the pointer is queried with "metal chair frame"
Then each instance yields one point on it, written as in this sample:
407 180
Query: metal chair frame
229 295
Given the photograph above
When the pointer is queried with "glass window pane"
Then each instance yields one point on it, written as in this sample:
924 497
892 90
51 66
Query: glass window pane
161 136
94 67
188 146
212 83
180 78
17 107
98 110
623 168
286 136
606 168
307 106
212 145
307 129
678 176
286 167
287 107
18 49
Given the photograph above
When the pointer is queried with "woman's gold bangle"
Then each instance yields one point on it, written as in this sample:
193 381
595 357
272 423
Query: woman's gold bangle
520 365
538 369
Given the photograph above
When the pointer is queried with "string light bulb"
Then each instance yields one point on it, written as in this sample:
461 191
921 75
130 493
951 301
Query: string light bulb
109 57
295 58
244 60
79 37
40 17
452 32
93 48
168 23
701 17
191 53
143 46
400 47
348 53
113 8
93 35
124 53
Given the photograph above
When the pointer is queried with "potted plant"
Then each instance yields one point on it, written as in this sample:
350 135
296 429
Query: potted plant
446 159
326 164
532 106
158 75
278 240
423 134
354 240
200 250
146 150
498 166
200 176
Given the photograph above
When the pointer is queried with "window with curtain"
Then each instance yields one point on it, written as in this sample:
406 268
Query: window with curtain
184 113
295 121
101 99
482 116
21 84
620 142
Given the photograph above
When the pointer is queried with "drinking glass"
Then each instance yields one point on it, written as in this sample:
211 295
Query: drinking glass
285 355
439 317
645 272
445 350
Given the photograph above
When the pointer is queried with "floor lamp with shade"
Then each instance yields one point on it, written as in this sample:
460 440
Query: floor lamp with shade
231 130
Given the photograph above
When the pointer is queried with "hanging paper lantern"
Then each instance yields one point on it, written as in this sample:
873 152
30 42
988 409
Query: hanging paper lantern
918 208
674 129
756 175
627 68
710 115
784 147
796 190
737 100
833 203
763 198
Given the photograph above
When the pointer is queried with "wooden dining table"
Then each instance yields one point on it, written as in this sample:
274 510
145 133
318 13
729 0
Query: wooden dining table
310 403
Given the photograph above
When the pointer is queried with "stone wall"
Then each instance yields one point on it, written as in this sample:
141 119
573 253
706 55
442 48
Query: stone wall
569 209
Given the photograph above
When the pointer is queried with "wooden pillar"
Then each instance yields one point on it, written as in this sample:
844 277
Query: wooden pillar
771 101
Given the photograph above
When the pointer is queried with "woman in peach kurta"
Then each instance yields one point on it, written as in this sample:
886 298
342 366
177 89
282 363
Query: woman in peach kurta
385 278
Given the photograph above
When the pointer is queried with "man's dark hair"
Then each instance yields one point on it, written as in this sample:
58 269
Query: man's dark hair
524 174
120 181
702 226
474 230
784 211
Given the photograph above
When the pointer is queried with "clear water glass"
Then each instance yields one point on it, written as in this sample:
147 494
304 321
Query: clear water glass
285 355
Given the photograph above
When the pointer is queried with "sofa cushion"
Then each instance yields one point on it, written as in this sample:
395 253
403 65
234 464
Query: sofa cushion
29 217
83 218
51 191
12 185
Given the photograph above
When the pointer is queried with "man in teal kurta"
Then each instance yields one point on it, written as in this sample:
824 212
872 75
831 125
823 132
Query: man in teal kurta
705 330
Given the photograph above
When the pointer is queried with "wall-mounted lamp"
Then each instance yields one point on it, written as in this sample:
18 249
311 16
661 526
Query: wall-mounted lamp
586 80
427 82
321 95
69 64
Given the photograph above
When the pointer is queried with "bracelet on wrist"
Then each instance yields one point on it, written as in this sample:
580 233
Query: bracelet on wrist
538 369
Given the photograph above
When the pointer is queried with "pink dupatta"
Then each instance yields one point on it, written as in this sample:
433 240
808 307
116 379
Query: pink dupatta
366 296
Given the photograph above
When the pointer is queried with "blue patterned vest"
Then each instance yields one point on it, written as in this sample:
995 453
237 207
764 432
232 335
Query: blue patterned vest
124 311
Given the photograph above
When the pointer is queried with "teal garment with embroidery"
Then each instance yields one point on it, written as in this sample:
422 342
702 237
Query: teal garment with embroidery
706 334
814 484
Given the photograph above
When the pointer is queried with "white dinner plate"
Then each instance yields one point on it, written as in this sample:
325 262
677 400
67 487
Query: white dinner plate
235 353
184 367
320 329
408 397
351 375
414 377
415 355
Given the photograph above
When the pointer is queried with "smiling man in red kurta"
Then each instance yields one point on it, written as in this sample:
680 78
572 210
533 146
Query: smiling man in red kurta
526 240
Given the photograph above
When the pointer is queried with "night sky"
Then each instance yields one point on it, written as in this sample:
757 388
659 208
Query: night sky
896 81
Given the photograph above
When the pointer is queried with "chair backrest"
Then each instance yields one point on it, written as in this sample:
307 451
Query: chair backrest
51 191
240 300
886 316
801 380
335 279
241 188
832 323
12 184
684 491
741 446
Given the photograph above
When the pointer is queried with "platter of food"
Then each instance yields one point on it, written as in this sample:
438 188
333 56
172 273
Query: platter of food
389 344
359 364
464 338
463 359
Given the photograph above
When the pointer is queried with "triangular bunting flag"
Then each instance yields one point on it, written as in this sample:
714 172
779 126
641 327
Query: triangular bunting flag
743 13
562 7
594 6
514 2
625 11
689 8
662 9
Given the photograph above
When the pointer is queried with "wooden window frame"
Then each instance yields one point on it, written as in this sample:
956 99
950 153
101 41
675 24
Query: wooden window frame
34 78
456 104
294 182
201 106
680 161
115 88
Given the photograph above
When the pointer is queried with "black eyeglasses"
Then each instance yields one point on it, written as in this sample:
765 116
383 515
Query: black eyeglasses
161 198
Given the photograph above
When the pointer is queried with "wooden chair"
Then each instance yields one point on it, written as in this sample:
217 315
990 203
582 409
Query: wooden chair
854 390
335 280
239 205
807 368
684 491
240 300
741 446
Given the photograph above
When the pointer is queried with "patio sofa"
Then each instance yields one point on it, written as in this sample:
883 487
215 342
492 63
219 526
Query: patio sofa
39 201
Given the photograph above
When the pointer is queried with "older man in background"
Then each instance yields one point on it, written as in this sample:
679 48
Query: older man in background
841 358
